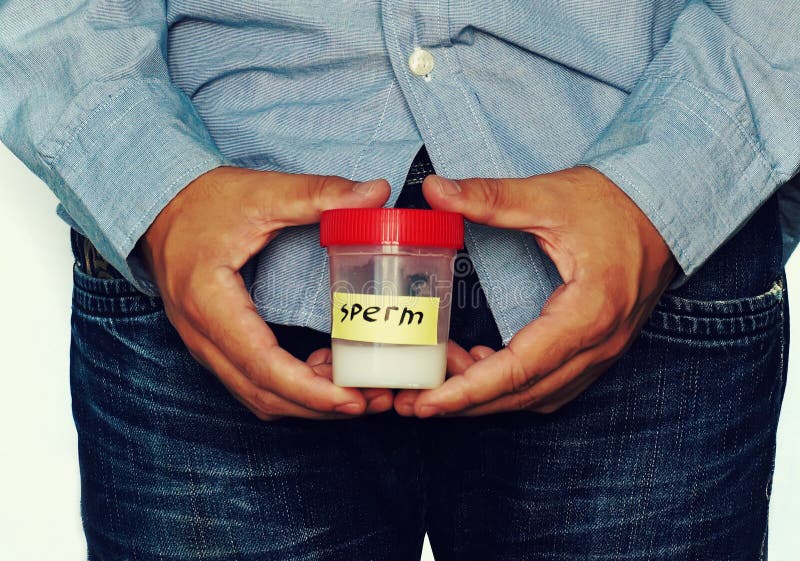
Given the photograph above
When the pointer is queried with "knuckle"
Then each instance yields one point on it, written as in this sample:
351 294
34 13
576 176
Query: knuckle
607 319
518 381
517 376
250 211
465 398
602 317
215 182
493 193
254 205
316 187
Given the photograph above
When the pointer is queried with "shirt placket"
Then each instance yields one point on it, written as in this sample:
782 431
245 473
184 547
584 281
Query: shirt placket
461 144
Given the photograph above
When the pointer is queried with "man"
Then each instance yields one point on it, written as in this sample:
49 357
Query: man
620 149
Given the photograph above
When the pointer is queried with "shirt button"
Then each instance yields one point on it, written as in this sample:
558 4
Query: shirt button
420 62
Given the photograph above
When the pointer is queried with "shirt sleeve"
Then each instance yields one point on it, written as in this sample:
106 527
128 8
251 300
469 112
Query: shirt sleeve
86 102
711 129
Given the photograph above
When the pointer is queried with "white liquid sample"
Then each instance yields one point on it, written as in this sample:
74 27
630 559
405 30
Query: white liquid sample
378 365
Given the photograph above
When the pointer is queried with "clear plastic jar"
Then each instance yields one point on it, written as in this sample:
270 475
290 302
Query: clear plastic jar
391 291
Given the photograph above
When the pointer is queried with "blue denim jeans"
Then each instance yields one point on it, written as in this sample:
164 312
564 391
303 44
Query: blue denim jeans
668 456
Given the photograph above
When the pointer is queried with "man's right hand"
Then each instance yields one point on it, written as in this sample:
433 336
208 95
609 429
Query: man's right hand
195 249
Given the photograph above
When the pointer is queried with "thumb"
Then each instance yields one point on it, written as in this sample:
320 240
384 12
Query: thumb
505 203
300 199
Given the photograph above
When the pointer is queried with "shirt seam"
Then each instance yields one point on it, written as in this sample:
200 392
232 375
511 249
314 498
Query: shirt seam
475 118
374 134
757 150
772 171
96 140
499 318
717 134
56 158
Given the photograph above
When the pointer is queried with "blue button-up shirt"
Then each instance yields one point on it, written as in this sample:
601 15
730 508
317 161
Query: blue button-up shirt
692 108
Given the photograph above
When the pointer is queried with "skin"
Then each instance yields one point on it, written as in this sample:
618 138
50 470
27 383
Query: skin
614 264
194 250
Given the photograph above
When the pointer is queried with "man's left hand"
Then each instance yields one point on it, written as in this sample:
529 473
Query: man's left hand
614 264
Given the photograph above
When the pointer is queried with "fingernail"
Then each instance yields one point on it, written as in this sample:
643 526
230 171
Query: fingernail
371 402
428 411
348 408
448 186
366 187
405 409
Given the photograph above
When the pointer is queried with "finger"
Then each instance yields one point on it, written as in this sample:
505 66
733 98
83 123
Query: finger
227 316
264 404
554 391
319 357
404 402
320 363
458 360
302 198
378 399
479 352
323 370
575 377
567 394
505 203
574 320
563 384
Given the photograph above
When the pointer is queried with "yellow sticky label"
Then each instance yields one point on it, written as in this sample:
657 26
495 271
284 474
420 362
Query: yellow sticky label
376 318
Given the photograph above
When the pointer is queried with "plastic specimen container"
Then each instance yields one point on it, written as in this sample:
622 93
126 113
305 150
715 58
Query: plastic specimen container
391 276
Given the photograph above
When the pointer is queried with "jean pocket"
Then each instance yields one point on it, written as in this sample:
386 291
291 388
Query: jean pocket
718 320
110 297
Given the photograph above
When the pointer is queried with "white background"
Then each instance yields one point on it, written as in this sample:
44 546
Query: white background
39 494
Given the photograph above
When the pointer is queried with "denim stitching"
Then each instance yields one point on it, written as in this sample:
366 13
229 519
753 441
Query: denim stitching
781 382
